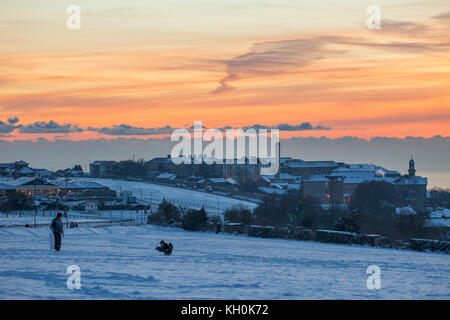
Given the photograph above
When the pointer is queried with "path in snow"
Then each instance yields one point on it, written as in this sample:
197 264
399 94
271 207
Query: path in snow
121 263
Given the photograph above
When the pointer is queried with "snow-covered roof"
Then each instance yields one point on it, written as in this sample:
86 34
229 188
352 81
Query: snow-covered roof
21 163
26 170
385 171
21 181
217 180
79 184
283 177
356 177
438 223
43 172
31 181
405 211
442 213
166 175
309 164
270 190
339 232
279 185
360 167
76 172
6 187
415 180
294 186
363 168
341 169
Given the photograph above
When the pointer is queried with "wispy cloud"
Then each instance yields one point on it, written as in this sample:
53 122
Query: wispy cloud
404 27
273 57
13 120
127 130
7 127
443 16
305 126
279 57
50 127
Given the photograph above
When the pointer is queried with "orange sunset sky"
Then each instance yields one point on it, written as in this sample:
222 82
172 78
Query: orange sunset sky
151 64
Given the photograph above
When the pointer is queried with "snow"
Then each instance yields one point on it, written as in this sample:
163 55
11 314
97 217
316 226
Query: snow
77 184
405 211
439 218
178 196
121 263
270 190
339 232
6 187
441 213
166 175
444 223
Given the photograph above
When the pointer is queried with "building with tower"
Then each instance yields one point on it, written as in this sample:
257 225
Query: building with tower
412 189
412 169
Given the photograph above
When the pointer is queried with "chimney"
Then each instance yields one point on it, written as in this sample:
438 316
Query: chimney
279 161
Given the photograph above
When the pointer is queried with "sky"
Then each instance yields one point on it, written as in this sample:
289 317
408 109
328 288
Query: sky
139 69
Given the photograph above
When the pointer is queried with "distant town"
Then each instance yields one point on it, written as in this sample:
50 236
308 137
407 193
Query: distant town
330 182
324 201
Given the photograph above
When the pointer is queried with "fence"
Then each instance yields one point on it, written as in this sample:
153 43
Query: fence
98 218
97 223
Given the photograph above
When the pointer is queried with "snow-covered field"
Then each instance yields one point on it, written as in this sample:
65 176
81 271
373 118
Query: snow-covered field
121 263
178 196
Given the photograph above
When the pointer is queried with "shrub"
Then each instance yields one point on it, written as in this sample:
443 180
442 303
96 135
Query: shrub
195 220
168 212
239 215
16 201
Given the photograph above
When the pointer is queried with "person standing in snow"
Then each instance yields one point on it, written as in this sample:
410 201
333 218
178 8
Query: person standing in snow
57 228
218 227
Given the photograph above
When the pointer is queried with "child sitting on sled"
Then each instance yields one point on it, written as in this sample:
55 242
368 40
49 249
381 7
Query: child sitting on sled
165 247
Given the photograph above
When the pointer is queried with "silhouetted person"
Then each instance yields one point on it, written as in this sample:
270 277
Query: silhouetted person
165 247
218 227
58 230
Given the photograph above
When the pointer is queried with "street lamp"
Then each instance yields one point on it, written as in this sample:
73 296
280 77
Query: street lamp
34 204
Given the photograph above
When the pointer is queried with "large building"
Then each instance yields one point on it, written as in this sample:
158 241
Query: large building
34 186
15 169
102 168
355 174
412 189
